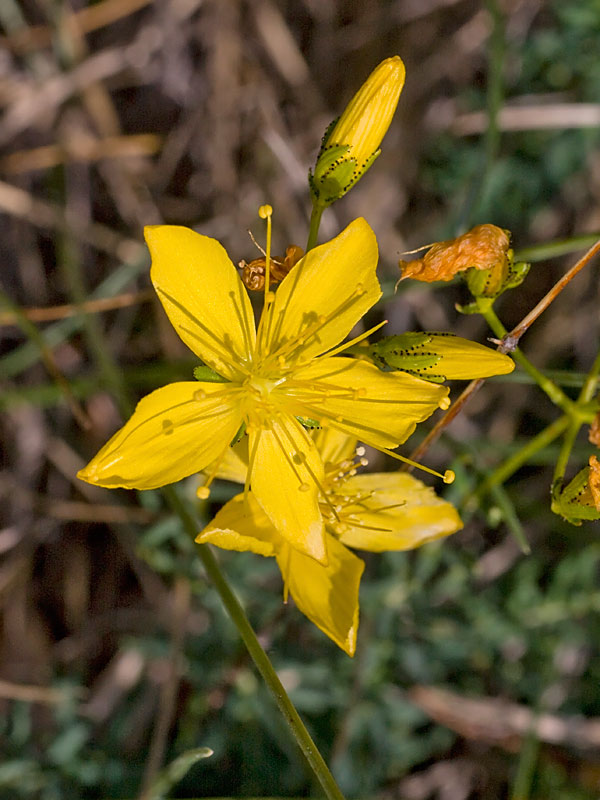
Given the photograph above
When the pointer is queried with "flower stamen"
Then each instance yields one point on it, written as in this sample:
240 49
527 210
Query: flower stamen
354 341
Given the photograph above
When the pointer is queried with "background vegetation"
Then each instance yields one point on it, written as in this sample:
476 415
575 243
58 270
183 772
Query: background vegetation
115 654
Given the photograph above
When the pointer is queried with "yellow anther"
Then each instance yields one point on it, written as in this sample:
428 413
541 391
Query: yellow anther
449 476
203 492
360 451
265 211
199 394
444 403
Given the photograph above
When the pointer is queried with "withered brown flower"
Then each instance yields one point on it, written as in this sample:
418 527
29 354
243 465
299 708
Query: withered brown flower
483 247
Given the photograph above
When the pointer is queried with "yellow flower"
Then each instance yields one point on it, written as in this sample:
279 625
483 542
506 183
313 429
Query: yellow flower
376 512
287 368
352 144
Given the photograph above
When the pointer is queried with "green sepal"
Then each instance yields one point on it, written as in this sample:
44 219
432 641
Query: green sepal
208 375
329 158
308 423
575 502
492 282
238 435
336 172
516 273
404 352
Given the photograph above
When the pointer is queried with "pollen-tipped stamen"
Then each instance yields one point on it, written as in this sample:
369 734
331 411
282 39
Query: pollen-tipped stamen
265 212
203 492
448 476
354 341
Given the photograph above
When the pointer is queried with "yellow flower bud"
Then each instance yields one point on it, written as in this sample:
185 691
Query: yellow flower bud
439 357
351 144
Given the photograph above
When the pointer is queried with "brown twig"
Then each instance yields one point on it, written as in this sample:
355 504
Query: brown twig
82 149
496 721
442 423
511 340
70 310
89 19
36 694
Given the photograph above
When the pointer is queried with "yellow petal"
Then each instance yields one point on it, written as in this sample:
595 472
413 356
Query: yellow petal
334 446
419 515
324 296
379 408
203 296
242 525
174 432
327 595
234 466
285 469
368 115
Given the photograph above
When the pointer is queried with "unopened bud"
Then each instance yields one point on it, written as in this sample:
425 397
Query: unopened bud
438 357
351 144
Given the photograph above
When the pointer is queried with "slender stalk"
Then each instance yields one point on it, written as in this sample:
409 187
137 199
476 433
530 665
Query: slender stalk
559 247
260 658
588 391
550 296
492 137
564 455
528 757
434 434
315 221
495 85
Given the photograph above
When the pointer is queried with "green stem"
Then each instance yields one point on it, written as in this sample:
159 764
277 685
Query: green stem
260 658
588 390
558 397
494 97
559 247
576 421
505 470
528 757
495 84
315 221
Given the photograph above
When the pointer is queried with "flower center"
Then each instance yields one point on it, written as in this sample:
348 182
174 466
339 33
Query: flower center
261 387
